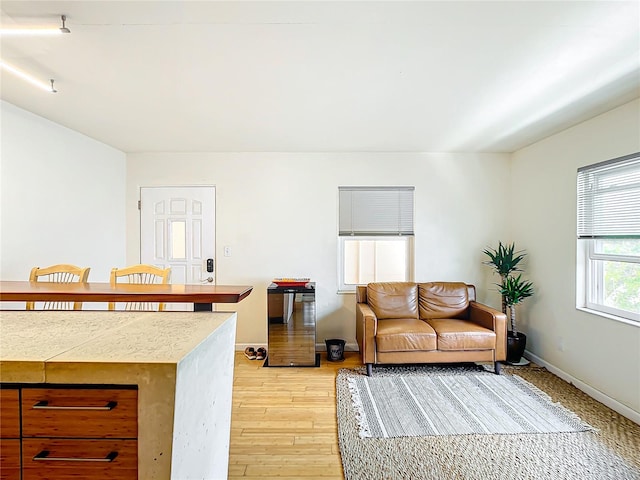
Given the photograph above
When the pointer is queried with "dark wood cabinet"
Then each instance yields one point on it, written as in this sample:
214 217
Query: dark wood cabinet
79 412
70 459
68 432
9 434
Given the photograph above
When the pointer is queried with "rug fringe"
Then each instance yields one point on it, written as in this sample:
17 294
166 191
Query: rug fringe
358 407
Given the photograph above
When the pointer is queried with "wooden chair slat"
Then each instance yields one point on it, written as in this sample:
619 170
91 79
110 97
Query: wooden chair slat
140 274
61 273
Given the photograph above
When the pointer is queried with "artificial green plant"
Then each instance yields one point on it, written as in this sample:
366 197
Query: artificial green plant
504 260
514 290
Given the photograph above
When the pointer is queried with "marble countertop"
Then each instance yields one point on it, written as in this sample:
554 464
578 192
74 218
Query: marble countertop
31 341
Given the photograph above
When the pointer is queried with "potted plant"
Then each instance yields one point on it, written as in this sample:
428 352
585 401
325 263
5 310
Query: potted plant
504 260
514 290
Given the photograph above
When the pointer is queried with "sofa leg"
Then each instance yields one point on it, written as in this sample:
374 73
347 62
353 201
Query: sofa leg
369 369
497 366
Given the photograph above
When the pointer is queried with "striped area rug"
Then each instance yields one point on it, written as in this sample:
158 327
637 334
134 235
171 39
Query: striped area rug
410 406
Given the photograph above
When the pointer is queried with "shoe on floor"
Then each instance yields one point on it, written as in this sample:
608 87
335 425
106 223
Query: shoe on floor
261 353
250 353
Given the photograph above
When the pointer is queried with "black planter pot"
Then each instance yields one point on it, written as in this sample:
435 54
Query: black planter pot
515 347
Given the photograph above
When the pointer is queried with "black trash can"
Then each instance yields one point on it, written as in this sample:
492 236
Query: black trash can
335 349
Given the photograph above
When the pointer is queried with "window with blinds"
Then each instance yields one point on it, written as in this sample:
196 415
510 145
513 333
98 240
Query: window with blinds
375 235
608 231
609 199
376 210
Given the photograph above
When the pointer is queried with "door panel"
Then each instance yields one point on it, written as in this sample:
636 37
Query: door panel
177 230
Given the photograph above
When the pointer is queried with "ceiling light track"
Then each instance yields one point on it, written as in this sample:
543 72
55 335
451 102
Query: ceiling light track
36 30
64 28
47 87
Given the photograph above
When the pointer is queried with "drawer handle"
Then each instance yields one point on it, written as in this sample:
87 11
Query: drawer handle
44 456
44 405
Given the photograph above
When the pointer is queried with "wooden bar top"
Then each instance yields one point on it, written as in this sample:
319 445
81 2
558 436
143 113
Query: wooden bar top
16 291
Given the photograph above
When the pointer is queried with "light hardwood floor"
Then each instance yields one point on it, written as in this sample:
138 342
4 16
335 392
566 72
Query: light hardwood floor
283 422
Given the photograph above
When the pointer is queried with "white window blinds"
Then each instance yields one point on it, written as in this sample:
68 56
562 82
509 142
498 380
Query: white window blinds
376 210
609 199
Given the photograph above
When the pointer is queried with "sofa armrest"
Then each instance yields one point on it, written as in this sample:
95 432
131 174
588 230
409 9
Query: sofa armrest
366 327
492 319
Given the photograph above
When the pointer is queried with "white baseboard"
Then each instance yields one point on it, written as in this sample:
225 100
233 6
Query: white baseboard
320 347
589 390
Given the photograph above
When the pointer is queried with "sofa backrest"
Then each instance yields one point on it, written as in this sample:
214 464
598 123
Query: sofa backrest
393 299
471 291
361 294
443 300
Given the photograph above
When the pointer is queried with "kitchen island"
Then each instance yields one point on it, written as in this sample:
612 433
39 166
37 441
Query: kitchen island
177 367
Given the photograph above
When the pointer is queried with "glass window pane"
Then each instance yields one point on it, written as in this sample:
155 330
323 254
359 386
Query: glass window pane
178 241
369 260
351 249
623 246
621 285
366 267
391 262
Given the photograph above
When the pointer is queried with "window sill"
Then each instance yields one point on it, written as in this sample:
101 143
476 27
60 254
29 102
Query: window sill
609 316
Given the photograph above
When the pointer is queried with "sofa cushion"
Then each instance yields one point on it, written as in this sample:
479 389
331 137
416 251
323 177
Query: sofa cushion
393 299
454 334
405 335
443 300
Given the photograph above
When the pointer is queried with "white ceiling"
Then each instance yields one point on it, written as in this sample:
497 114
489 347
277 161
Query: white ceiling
152 76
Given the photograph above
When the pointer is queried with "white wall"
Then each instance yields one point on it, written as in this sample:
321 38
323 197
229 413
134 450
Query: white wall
278 213
601 353
62 198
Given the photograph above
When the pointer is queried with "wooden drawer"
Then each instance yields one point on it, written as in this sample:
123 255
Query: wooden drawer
84 413
44 458
10 413
10 459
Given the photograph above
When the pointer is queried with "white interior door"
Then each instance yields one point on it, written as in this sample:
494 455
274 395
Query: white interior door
177 230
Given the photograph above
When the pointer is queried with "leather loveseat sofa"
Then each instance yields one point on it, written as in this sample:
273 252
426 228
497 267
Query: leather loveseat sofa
435 322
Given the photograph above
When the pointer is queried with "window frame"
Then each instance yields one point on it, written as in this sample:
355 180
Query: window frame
594 281
605 212
375 213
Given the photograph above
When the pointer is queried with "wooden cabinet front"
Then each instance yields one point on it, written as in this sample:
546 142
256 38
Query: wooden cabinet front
45 458
68 433
9 434
10 413
10 459
84 413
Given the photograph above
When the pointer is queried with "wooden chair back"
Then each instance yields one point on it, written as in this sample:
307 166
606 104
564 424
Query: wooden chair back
62 273
144 275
